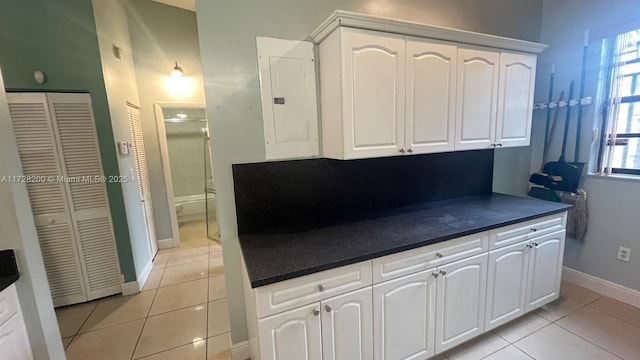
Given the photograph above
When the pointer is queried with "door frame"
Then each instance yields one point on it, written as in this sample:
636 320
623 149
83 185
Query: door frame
166 165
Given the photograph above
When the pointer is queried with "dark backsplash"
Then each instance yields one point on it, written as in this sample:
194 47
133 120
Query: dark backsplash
300 194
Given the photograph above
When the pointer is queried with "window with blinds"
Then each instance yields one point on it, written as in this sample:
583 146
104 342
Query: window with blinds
620 146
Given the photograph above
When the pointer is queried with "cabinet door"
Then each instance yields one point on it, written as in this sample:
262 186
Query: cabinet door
404 317
515 100
430 95
478 70
14 343
373 93
506 284
545 269
347 326
461 301
291 335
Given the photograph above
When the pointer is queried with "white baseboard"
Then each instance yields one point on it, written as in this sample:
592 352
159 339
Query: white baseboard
240 351
602 286
130 288
135 287
166 243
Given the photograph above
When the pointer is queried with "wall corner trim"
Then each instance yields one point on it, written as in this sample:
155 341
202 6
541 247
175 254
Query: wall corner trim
240 351
602 286
134 287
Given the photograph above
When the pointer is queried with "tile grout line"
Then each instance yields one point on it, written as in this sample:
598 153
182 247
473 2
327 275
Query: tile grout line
147 317
616 317
589 341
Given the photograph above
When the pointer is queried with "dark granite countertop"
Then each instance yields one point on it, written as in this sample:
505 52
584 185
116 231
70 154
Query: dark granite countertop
8 269
279 256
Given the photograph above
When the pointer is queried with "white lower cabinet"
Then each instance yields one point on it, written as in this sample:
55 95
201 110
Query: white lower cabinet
339 328
14 342
405 317
545 269
292 335
507 284
347 326
417 304
460 301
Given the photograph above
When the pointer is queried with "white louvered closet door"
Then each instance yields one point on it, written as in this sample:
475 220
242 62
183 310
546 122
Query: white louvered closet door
142 171
74 126
39 157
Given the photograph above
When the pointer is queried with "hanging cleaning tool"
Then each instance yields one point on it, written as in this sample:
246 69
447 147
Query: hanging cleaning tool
578 215
540 178
546 129
564 176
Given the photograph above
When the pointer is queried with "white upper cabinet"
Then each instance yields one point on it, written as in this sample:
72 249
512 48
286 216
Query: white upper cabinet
515 100
363 110
390 87
478 70
430 95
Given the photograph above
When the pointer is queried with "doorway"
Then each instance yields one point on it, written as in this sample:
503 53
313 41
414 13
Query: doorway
185 148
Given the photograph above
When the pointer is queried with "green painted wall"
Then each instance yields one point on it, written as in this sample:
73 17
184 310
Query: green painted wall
59 38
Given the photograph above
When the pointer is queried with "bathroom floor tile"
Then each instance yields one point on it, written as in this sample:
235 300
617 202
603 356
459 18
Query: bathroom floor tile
218 317
161 260
521 327
184 273
111 343
217 287
71 318
555 343
119 309
477 348
173 329
180 296
606 331
194 351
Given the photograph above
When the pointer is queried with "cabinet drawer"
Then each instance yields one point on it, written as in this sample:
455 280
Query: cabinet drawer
8 303
526 230
412 261
289 294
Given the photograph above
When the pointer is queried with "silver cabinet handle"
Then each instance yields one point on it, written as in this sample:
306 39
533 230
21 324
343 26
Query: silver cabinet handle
320 287
492 145
435 274
410 150
443 273
439 255
316 312
402 150
534 229
327 308
499 144
535 244
529 246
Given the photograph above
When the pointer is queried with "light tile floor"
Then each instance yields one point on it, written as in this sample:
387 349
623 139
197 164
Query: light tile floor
581 324
180 314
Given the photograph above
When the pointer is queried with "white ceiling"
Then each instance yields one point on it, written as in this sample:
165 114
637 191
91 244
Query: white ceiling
183 4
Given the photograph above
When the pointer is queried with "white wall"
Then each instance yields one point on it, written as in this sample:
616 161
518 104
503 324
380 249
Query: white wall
613 204
227 43
160 35
120 83
19 233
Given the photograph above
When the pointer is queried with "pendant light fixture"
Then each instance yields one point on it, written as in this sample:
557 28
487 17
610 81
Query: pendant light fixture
177 71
